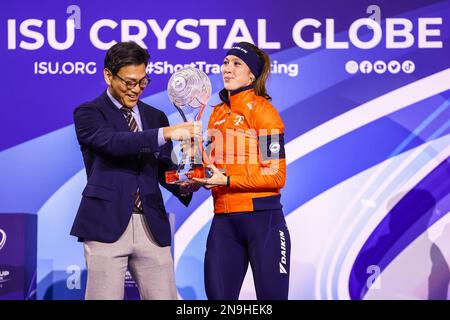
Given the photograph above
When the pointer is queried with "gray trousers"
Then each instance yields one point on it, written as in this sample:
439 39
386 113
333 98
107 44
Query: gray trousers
150 265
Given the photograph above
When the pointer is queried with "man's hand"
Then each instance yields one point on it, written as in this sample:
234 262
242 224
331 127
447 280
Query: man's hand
183 131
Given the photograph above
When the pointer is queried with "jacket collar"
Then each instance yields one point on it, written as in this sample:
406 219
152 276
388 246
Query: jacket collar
115 115
223 94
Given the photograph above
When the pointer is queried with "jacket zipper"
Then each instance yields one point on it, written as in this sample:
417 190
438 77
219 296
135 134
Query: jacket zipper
226 126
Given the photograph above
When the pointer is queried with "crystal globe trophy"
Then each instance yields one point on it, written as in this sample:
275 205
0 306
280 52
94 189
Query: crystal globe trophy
189 90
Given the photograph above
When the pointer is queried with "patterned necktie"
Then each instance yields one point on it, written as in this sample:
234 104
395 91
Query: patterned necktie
132 124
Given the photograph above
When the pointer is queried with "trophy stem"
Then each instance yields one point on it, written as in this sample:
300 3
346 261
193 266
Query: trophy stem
181 113
202 109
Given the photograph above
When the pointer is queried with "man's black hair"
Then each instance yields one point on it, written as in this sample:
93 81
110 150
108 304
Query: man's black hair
123 54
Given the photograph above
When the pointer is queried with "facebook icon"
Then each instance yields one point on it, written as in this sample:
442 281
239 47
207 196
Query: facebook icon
365 66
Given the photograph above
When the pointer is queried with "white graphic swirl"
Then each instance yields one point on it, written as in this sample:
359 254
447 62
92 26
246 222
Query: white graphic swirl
2 238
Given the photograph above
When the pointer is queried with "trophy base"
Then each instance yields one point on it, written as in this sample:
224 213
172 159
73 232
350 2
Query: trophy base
179 177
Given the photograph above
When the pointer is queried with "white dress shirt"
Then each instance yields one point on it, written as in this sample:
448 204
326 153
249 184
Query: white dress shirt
137 116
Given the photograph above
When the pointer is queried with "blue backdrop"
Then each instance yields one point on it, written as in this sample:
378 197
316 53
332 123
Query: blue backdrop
363 91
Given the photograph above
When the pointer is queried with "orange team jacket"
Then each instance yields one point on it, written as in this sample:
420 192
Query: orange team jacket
246 139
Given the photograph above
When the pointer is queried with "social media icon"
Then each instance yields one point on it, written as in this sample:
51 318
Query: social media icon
365 66
351 67
408 66
379 66
393 66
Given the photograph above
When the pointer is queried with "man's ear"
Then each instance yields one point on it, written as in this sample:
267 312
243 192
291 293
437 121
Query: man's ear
108 76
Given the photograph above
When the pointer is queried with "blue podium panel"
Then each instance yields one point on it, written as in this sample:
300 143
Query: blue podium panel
18 255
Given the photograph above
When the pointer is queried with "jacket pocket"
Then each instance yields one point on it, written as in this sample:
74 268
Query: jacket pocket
93 191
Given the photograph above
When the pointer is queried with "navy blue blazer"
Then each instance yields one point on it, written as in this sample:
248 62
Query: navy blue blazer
117 162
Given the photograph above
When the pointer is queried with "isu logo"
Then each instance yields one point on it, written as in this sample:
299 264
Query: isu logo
274 147
2 238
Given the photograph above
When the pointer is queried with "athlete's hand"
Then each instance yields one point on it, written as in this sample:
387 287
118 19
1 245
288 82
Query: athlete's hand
217 178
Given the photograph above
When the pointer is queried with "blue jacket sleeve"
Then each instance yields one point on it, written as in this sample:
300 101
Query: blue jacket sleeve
95 132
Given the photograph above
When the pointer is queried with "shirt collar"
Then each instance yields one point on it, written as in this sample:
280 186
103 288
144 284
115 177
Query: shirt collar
118 104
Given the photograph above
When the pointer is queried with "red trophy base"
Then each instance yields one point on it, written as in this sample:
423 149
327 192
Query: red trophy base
177 177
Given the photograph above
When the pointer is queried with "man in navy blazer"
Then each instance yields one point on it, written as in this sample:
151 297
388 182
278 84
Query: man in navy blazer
126 147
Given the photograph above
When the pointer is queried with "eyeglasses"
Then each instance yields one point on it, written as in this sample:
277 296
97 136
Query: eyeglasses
130 84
